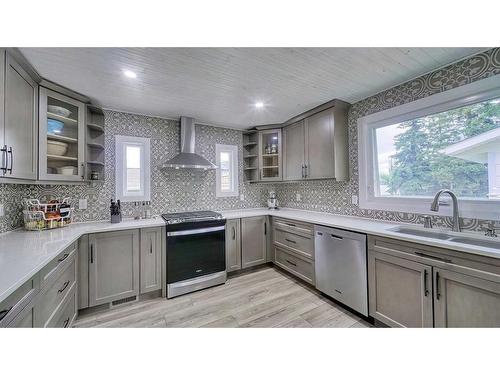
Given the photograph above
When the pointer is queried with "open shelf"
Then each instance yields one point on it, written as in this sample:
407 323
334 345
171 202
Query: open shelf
250 156
96 146
96 127
95 162
269 155
270 166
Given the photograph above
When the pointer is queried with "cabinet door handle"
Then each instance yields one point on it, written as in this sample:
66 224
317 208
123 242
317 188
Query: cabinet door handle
292 263
438 292
64 287
265 229
305 168
336 237
426 290
303 176
83 171
4 159
234 233
11 160
292 241
91 253
63 257
151 246
66 322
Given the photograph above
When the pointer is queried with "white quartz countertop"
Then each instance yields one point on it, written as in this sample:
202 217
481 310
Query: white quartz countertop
23 253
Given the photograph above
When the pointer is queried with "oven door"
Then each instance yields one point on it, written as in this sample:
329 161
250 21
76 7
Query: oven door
194 252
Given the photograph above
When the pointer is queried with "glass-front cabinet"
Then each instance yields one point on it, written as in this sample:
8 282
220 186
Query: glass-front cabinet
61 137
270 155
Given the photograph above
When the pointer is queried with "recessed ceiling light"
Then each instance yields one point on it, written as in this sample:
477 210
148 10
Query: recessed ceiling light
129 74
259 105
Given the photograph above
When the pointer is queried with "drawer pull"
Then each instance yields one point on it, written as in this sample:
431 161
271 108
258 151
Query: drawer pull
234 233
432 257
292 263
63 257
4 313
336 237
64 287
66 322
292 241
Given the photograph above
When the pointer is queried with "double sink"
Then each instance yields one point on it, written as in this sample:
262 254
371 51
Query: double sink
466 239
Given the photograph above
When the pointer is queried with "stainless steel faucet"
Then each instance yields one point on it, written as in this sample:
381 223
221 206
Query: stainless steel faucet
435 207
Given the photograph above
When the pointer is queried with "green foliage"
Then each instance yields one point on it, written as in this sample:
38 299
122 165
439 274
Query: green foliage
419 168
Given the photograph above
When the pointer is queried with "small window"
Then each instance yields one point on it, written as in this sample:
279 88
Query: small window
227 171
132 169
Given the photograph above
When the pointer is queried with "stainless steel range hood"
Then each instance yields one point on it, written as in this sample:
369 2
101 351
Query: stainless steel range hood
188 159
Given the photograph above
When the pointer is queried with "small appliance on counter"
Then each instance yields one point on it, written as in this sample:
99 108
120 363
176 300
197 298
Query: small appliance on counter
53 214
116 211
272 202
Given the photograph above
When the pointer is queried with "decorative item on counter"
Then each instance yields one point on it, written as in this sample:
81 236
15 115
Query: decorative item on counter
116 211
41 216
272 202
143 211
148 210
94 175
137 211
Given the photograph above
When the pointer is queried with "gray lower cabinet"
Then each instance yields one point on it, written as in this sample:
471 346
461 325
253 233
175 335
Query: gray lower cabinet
19 147
253 241
150 259
113 266
462 300
233 245
400 291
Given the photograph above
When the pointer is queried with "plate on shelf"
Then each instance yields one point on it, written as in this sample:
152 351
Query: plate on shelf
61 111
56 148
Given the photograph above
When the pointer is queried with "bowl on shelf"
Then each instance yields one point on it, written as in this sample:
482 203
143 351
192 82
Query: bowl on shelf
67 170
57 110
54 126
57 148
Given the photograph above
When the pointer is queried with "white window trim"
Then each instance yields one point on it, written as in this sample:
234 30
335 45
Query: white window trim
482 90
121 142
234 173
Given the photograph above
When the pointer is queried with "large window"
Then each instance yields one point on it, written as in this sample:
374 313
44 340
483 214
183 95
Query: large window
132 168
227 171
447 141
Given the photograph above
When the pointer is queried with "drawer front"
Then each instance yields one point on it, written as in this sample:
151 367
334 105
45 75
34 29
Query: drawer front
299 267
295 242
52 297
17 301
292 226
66 314
52 270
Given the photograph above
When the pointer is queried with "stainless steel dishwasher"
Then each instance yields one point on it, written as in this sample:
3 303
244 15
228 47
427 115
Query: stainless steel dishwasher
340 266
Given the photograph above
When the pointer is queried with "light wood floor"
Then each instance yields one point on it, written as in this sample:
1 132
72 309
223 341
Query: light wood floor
264 298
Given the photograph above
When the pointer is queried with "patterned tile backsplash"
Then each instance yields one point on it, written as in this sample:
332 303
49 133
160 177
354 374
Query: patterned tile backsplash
177 190
171 190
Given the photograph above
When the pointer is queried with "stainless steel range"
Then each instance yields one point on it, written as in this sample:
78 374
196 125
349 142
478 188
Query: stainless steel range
196 257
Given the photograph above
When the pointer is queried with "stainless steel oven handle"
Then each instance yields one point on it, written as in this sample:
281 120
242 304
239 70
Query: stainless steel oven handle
195 231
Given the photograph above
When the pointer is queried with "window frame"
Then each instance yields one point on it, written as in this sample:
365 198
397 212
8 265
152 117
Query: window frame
485 89
121 142
234 171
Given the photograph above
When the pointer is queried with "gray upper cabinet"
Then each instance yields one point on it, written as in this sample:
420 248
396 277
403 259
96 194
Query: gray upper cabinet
151 250
317 146
19 146
61 137
294 156
233 245
462 300
400 291
3 149
113 266
270 163
253 241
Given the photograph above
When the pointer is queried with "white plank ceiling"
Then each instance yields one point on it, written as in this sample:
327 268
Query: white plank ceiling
221 85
